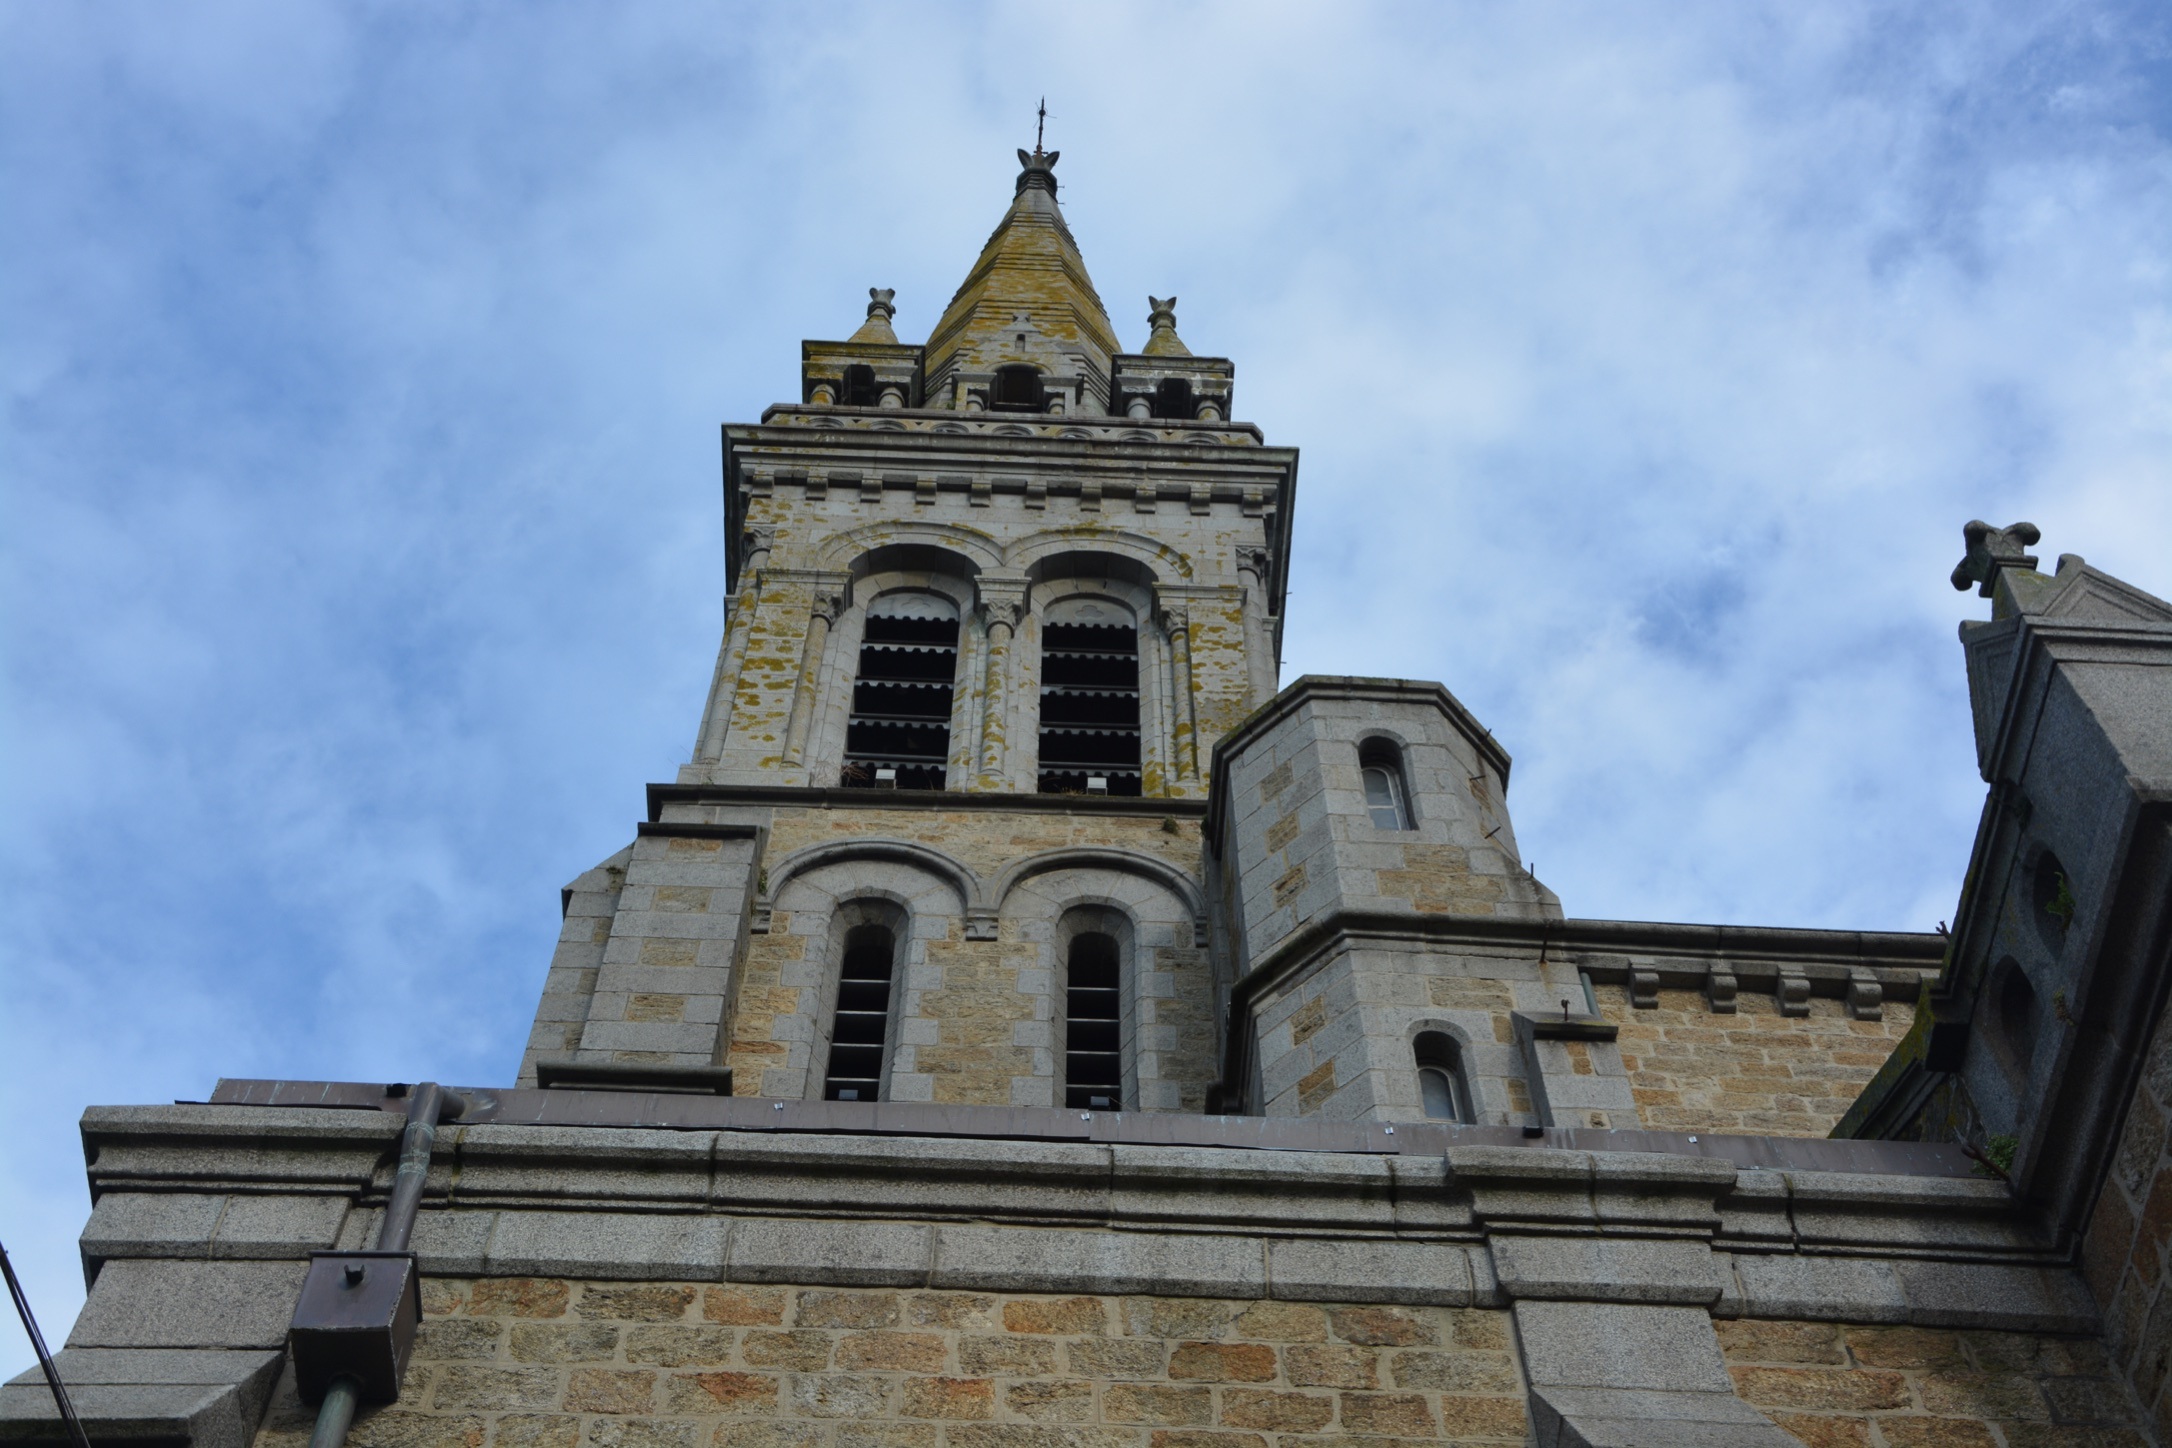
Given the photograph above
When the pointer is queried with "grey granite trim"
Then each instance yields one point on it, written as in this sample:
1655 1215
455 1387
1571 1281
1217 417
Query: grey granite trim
211 1398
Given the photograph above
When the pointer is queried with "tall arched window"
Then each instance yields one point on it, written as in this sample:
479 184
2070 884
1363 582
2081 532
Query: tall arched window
1089 697
1443 1090
1093 1068
899 732
1387 795
860 1027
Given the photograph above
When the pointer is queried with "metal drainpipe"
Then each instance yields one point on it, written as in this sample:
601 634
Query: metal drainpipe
425 1104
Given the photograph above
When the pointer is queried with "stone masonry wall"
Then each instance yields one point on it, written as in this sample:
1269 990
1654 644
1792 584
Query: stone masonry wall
546 1363
2127 1252
975 1014
1754 1072
1836 1386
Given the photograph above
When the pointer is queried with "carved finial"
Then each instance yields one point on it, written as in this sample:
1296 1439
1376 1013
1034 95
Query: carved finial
1163 341
1992 549
879 302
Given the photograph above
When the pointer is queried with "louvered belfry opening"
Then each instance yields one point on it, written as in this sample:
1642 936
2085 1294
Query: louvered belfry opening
902 699
1089 697
860 1033
1092 1063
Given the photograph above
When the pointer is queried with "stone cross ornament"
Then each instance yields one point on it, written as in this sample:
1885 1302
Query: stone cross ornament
1991 549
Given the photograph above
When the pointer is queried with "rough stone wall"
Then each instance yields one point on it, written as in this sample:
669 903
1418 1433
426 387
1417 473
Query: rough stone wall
1754 1072
976 1014
2127 1252
547 1363
1840 1386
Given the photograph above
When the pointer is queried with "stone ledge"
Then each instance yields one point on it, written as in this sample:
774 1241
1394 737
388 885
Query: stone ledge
212 1399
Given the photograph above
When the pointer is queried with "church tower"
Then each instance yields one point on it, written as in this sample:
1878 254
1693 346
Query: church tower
994 599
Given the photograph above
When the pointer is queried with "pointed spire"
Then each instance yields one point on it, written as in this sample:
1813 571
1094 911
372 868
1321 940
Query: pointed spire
879 312
1161 316
1030 265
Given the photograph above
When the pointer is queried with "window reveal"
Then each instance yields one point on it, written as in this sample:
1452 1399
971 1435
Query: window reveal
860 1031
1387 799
901 702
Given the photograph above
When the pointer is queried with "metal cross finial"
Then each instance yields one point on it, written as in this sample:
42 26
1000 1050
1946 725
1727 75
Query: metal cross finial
1041 123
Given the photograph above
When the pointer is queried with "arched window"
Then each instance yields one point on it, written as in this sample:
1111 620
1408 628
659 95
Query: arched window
1017 388
860 1028
1089 698
1093 1068
1442 1089
899 731
1387 796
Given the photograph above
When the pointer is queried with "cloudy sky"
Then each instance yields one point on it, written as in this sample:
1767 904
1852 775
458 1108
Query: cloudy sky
363 367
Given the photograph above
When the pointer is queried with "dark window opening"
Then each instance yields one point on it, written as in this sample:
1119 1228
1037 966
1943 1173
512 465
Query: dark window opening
1089 708
1016 389
1442 1089
859 388
1387 799
1173 398
2054 900
860 1033
1092 1062
901 701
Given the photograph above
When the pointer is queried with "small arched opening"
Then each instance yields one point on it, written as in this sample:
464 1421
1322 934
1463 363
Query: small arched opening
1444 1091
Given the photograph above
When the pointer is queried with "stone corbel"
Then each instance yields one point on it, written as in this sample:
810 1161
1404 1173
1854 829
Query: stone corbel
1866 995
981 924
1721 988
1793 993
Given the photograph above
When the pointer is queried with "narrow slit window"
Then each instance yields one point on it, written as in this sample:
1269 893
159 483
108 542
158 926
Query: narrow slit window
860 1031
899 731
1092 1064
1386 799
1442 1090
1089 699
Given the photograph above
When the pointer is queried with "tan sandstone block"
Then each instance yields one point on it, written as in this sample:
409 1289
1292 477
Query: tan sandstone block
1860 1390
1460 1372
1465 1418
1914 1432
1312 1366
646 1302
1982 1395
1280 1322
563 1342
495 1389
1009 1357
907 1352
1160 1404
1276 1412
1061 1316
703 1394
679 1347
1223 1362
396 1429
1905 1347
1382 1327
1057 1402
1823 1431
1402 1415
607 1390
954 1398
822 1308
802 1350
535 1430
768 1435
1747 1341
518 1297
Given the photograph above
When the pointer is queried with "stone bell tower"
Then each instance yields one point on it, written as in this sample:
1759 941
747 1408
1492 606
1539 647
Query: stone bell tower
994 599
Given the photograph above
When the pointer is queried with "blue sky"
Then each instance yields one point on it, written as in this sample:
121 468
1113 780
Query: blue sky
363 367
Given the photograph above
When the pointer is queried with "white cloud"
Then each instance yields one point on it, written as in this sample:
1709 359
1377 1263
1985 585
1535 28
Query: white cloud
363 367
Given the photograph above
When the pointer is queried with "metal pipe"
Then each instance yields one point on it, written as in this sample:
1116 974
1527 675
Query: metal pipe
426 1103
45 1359
336 1415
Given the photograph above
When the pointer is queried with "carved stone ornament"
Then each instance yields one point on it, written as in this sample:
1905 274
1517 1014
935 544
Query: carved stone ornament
1991 549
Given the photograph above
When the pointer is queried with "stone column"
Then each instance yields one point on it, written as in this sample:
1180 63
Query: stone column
1003 607
1254 569
826 608
1178 625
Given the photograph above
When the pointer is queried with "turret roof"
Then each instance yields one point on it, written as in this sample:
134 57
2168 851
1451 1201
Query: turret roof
1030 265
